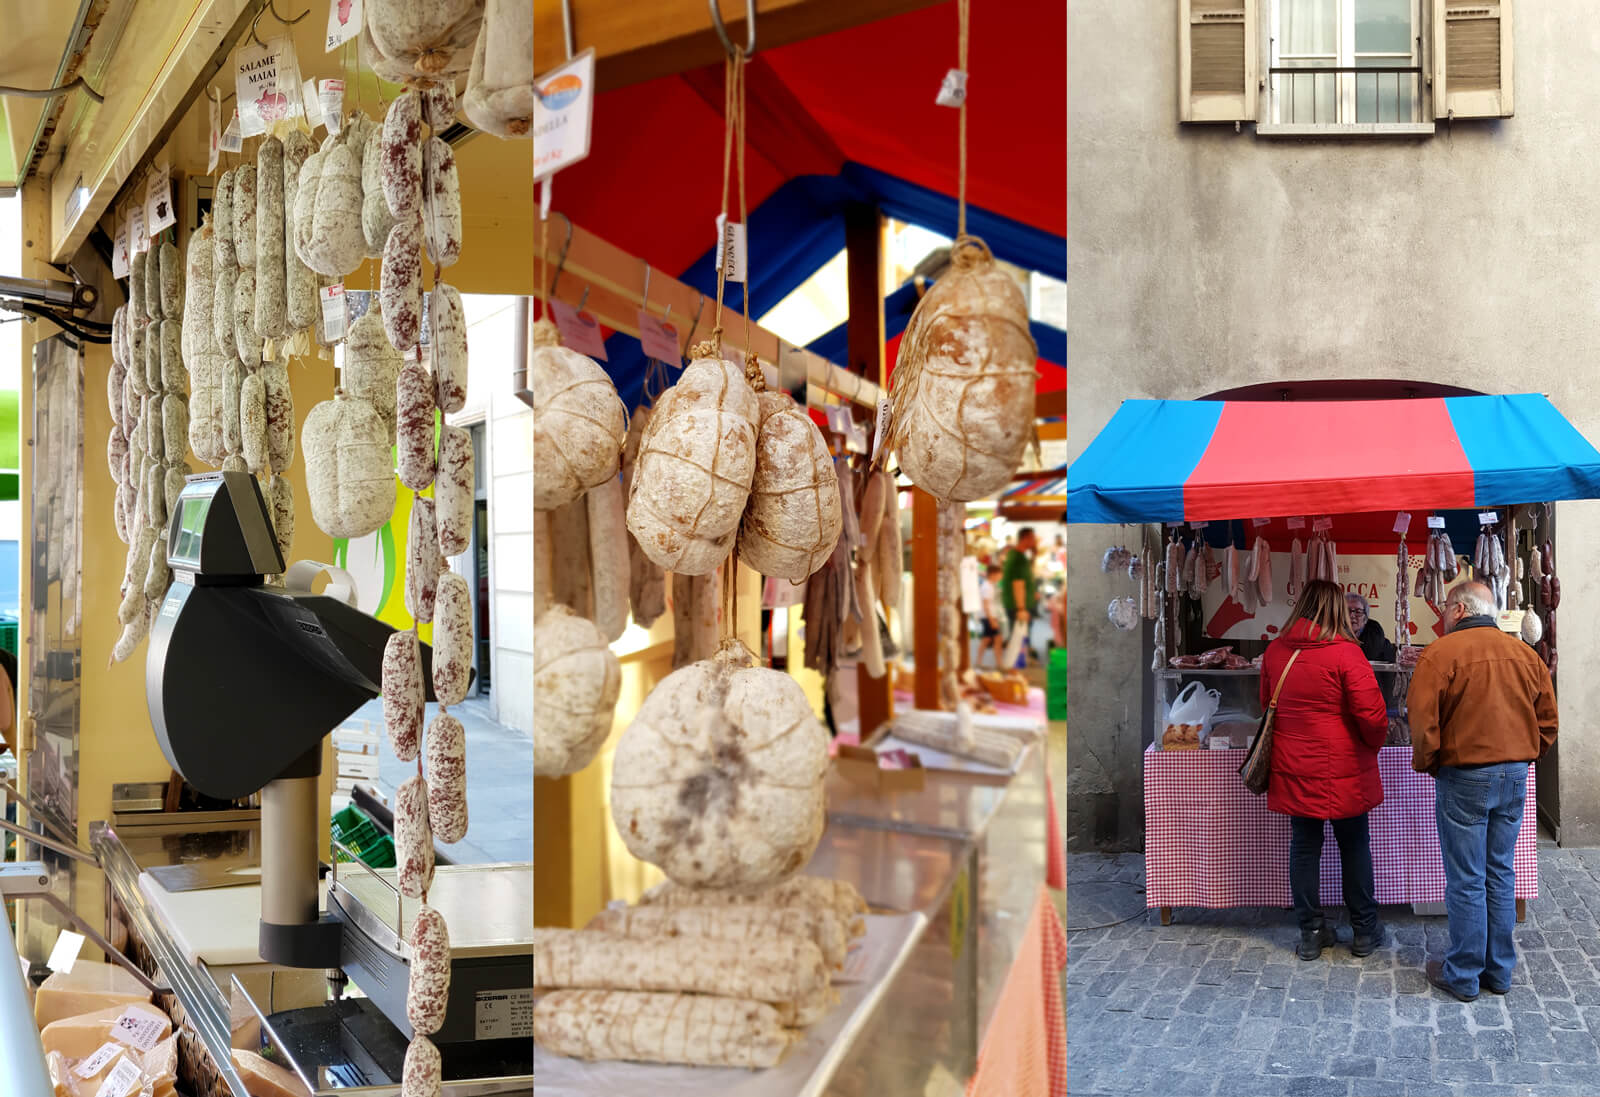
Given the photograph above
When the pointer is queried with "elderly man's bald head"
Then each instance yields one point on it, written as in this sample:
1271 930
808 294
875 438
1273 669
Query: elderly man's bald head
1474 599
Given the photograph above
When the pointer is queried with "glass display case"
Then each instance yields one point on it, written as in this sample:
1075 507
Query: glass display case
1239 707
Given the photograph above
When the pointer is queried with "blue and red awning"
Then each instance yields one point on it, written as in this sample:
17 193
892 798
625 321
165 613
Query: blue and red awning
1211 460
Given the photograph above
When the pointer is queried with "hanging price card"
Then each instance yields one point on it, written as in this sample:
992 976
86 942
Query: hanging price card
138 1028
658 338
119 252
1488 517
1402 522
1297 523
65 952
333 314
1259 522
1436 522
1321 525
344 23
138 238
731 252
214 144
331 104
97 1062
953 91
233 136
158 210
579 330
882 427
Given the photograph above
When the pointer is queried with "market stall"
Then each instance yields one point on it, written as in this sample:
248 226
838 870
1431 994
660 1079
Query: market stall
1227 507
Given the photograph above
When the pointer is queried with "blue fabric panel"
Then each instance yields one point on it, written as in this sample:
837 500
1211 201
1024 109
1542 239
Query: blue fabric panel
1522 450
1136 468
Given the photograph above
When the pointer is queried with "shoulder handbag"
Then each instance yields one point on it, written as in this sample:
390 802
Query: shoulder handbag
1257 767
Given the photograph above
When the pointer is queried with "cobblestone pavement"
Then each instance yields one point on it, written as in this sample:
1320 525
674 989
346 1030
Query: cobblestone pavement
1218 1003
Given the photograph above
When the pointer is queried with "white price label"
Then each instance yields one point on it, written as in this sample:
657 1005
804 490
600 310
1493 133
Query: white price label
1402 522
65 952
333 313
138 239
119 252
659 339
731 253
1198 525
953 91
139 1028
233 136
1297 523
563 115
263 72
122 1080
1488 517
1321 525
158 211
1259 522
97 1062
1174 525
1436 523
311 103
331 101
214 144
881 431
344 23
579 330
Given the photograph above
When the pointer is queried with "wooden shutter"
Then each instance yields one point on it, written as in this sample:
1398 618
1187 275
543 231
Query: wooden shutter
1217 49
1472 59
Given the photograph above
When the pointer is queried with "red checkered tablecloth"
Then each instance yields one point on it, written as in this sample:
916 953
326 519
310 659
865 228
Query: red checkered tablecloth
1209 843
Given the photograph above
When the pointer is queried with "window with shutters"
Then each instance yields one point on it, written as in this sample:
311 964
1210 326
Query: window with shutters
1345 62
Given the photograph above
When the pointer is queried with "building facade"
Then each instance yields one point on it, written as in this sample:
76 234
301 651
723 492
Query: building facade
1404 218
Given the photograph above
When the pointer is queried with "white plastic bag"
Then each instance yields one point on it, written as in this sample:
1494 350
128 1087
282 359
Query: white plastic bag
1195 705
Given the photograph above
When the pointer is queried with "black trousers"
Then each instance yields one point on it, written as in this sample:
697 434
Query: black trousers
1355 865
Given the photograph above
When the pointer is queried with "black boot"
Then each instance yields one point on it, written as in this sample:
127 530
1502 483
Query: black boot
1365 944
1313 941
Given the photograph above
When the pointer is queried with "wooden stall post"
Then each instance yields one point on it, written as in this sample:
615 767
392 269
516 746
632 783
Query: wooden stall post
925 581
863 227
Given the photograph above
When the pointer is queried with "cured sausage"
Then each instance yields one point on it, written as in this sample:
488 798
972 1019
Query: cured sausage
499 93
572 578
232 379
422 561
439 106
245 340
175 427
376 220
224 255
401 169
372 366
453 492
403 696
172 374
449 336
280 508
441 202
452 639
279 406
300 282
155 435
414 426
117 453
152 356
116 378
152 286
137 375
120 515
157 576
413 838
253 423
349 477
608 532
447 778
244 215
421 1073
177 476
155 492
429 991
171 281
401 283
336 246
303 211
198 286
226 284
272 285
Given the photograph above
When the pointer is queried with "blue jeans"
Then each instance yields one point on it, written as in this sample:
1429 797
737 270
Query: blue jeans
1479 812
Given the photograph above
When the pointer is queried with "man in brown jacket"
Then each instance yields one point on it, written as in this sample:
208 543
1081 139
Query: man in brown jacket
1482 707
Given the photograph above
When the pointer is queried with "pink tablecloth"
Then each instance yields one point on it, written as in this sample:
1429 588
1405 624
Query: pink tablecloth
1210 843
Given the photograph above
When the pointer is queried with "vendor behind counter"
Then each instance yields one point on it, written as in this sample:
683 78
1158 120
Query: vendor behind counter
1374 644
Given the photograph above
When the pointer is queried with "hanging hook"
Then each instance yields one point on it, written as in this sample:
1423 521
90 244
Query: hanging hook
645 303
584 300
750 28
273 8
561 263
566 23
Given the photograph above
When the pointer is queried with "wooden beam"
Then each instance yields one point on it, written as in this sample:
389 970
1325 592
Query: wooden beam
863 233
635 42
925 592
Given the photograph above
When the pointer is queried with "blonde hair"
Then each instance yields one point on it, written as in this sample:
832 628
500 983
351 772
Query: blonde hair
1322 604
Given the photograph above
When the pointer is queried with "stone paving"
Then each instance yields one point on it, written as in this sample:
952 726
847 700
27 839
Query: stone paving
1218 1003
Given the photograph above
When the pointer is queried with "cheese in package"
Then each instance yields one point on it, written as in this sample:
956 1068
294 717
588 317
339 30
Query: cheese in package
88 987
264 1078
140 1026
116 1069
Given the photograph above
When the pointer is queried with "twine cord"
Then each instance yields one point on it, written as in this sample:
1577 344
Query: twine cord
962 8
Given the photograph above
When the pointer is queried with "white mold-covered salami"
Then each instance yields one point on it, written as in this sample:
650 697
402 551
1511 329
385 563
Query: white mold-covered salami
152 285
244 215
116 377
424 33
499 95
572 571
171 281
130 406
133 634
429 991
280 508
224 255
138 336
447 57
400 171
157 576
422 560
372 366
576 679
119 337
175 427
793 519
279 405
205 405
234 463
401 283
376 220
452 639
696 463
302 213
225 283
421 1073
336 246
413 839
152 356
120 514
155 493
608 533
245 340
117 453
963 391
579 423
414 426
198 287
232 378
453 492
253 423
348 476
403 696
137 267
177 476
173 376
439 106
300 282
155 435
447 778
441 202
272 286
449 341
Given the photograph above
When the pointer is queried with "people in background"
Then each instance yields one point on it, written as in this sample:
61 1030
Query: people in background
8 700
1018 590
1482 707
1369 634
990 635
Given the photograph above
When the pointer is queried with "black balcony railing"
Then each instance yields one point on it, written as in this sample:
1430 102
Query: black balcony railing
1312 93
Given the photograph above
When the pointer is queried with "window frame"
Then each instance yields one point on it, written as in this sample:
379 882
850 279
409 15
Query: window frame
1345 56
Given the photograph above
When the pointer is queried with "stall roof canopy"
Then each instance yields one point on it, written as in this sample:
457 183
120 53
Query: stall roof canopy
1210 460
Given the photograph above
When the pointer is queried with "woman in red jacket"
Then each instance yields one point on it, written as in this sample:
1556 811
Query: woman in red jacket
1331 721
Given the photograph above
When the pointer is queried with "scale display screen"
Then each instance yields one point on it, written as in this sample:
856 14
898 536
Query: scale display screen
191 522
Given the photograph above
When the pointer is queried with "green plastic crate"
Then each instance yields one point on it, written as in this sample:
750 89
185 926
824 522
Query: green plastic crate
1056 685
352 827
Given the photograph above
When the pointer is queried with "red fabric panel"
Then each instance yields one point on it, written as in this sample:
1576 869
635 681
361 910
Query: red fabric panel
1270 459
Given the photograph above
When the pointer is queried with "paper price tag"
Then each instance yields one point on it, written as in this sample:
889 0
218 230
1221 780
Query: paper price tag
95 1063
158 210
1259 522
1174 525
953 91
1198 525
233 136
579 330
1321 525
333 314
310 101
1435 522
1297 523
659 339
1402 522
138 1028
563 115
65 952
1488 517
731 253
121 1081
264 72
344 23
331 102
138 238
881 431
214 144
119 252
